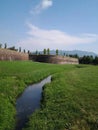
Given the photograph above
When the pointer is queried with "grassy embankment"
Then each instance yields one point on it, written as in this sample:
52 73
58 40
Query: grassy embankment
13 79
70 102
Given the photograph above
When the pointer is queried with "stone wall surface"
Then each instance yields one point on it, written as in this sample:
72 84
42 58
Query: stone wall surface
6 54
54 59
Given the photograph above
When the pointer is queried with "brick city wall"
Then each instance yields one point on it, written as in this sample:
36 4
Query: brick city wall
6 54
54 59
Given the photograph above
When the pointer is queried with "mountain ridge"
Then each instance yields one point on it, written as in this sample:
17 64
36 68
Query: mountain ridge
80 53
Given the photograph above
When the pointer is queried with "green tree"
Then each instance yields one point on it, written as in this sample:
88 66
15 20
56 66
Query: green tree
96 60
67 55
5 45
76 56
36 52
12 48
19 49
57 51
48 51
24 51
0 45
44 51
87 60
28 52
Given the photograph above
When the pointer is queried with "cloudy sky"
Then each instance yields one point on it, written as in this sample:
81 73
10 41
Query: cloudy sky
55 24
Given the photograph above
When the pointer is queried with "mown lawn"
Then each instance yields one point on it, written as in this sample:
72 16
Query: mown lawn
70 101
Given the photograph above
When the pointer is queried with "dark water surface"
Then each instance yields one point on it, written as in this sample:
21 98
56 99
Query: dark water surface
28 102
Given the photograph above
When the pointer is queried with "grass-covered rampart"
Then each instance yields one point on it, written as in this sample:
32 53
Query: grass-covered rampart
70 101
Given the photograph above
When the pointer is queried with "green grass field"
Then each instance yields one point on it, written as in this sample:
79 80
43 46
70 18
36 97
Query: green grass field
70 101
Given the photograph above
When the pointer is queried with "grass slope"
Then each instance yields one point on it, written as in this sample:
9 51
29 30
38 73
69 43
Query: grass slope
14 77
70 102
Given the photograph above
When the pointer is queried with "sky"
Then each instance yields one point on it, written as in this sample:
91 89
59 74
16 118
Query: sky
55 24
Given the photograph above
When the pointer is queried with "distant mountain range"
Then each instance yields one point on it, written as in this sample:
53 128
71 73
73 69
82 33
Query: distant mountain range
73 52
78 52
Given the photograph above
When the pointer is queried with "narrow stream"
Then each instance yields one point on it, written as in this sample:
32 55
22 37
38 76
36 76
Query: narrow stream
28 102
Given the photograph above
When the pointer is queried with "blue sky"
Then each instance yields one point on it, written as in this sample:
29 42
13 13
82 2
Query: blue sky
54 24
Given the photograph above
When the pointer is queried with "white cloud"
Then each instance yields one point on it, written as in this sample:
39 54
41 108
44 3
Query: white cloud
44 4
41 38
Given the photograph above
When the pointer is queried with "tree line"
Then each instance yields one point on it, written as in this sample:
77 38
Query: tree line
82 60
89 60
13 48
46 52
86 59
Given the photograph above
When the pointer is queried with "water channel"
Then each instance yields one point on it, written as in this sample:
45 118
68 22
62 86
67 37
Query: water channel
28 102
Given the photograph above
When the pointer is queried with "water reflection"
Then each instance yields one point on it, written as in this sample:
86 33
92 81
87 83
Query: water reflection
29 101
